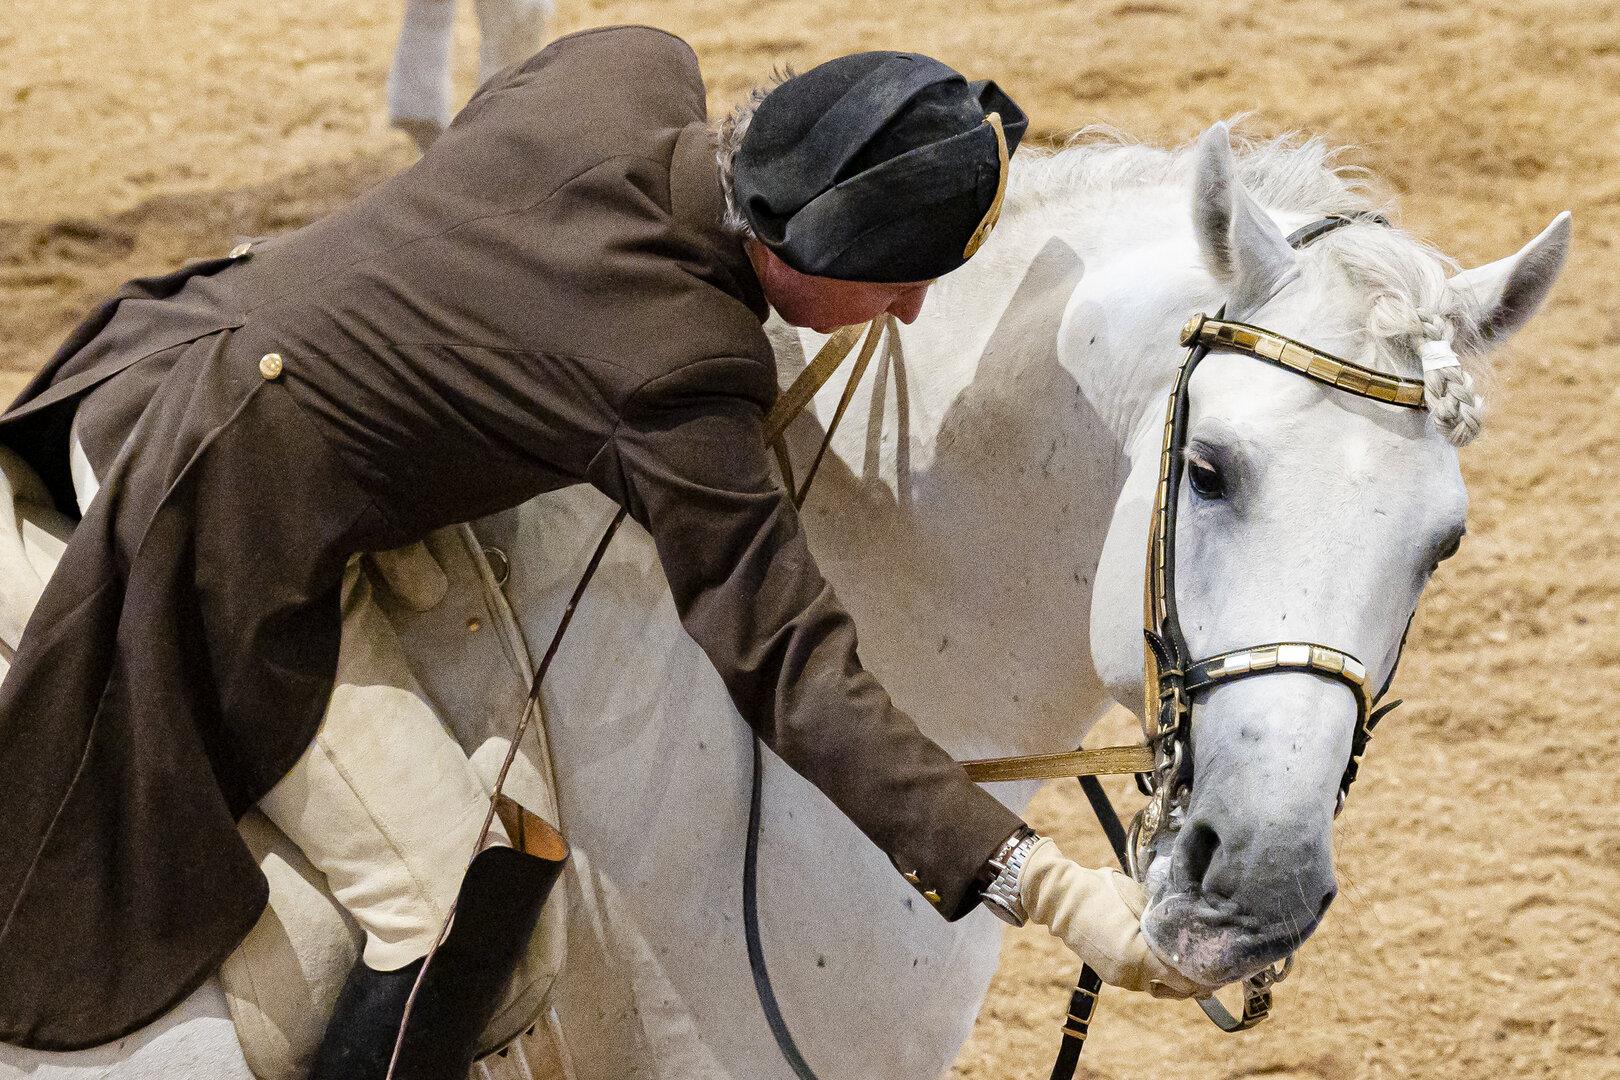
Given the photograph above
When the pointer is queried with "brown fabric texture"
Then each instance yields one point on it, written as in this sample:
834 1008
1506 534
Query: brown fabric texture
546 298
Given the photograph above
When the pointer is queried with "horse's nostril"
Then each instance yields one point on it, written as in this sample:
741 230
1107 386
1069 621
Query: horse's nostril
1196 853
1327 898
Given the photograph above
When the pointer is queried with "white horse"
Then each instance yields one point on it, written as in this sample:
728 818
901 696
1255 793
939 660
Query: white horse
419 90
984 517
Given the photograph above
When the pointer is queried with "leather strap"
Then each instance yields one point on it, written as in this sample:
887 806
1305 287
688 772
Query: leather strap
786 1045
792 401
1103 761
868 347
1305 235
981 233
798 394
1283 656
1302 359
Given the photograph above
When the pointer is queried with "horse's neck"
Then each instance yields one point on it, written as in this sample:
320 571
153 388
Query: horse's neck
974 481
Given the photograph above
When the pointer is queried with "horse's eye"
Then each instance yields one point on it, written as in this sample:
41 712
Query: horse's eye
1450 549
1205 478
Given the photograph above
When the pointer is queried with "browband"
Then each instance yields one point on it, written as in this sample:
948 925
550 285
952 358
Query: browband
1262 344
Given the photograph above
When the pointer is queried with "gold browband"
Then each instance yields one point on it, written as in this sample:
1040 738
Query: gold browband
992 215
1312 363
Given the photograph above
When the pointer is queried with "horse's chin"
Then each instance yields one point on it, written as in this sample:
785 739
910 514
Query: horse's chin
1215 944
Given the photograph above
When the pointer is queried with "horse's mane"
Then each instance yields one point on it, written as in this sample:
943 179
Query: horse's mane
1402 278
1285 172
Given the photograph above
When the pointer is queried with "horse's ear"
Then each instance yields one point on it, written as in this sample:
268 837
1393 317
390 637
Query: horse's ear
1498 298
1242 247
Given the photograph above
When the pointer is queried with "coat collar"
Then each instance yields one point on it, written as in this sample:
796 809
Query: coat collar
699 205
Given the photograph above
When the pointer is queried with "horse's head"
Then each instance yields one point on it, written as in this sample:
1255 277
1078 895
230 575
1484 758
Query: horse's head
1306 514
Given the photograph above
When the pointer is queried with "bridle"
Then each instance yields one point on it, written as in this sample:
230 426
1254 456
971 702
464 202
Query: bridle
1172 679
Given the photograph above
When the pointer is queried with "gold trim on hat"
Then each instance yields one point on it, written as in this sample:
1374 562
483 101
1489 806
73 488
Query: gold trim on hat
992 215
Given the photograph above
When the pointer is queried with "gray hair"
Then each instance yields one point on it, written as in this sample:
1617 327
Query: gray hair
728 134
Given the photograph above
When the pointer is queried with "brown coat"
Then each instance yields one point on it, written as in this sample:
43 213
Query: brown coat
546 298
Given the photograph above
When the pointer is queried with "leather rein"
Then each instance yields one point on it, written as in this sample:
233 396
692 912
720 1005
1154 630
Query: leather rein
1172 678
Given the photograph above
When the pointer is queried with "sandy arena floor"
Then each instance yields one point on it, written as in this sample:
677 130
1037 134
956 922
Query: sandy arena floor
1478 932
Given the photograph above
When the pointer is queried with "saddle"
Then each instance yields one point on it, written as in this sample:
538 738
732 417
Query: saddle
437 599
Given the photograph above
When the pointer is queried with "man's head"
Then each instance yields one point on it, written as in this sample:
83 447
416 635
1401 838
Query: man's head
859 182
823 303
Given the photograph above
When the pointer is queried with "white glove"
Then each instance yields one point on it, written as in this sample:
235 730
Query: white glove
1098 914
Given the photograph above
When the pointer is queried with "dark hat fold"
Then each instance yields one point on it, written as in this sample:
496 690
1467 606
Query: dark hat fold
874 167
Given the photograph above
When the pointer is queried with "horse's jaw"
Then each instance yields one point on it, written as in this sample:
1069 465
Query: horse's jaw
1218 944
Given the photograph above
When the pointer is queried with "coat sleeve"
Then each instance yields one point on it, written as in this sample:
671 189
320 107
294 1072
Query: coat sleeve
691 466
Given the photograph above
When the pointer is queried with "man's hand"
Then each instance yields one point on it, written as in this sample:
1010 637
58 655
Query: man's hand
1098 913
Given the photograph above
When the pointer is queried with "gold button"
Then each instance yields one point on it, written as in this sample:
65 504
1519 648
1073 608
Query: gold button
270 365
473 625
932 897
911 876
241 251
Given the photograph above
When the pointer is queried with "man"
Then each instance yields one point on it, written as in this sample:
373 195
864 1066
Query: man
551 296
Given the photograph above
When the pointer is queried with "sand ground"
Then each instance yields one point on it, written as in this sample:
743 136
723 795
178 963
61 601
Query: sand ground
1478 932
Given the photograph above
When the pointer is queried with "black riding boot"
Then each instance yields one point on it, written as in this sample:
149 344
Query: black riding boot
496 910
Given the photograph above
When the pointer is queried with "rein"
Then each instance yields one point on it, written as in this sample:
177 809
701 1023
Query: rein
1172 679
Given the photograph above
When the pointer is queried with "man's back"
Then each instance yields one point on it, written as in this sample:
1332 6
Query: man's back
471 330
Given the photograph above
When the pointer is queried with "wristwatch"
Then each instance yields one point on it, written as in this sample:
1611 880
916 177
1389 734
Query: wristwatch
1000 894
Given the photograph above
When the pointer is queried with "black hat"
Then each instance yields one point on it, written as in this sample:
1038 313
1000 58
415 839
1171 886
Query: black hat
881 166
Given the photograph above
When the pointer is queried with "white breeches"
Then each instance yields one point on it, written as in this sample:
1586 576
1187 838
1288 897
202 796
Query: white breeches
383 802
